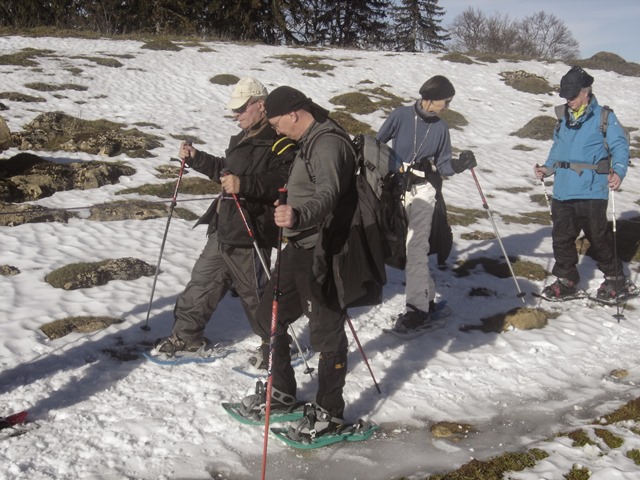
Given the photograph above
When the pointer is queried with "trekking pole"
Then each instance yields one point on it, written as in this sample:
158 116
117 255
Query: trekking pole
618 316
355 336
521 294
282 200
546 194
146 326
308 370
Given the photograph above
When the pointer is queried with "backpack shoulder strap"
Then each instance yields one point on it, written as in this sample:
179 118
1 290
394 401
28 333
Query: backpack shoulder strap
604 119
307 148
604 123
561 111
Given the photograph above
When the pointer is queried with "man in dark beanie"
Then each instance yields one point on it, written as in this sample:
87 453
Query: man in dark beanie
421 139
320 178
585 165
287 99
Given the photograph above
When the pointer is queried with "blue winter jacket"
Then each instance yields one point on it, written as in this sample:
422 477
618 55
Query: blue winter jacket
581 141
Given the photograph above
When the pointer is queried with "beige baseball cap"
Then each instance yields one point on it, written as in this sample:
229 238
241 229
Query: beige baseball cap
246 88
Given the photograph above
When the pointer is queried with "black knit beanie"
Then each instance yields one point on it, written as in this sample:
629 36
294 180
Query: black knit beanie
284 100
287 99
437 88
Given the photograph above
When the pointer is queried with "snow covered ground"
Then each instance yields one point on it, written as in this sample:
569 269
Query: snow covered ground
94 417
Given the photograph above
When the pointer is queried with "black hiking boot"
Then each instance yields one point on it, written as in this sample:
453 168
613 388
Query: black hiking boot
560 289
174 344
411 320
612 288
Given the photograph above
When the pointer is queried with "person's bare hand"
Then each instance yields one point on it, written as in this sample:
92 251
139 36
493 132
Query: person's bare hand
186 151
614 181
230 183
285 216
540 172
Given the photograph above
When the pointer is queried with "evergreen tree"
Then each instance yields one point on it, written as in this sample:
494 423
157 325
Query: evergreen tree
345 23
356 23
27 13
416 26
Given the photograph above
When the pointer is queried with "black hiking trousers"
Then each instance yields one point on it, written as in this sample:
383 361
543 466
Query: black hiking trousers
326 329
569 218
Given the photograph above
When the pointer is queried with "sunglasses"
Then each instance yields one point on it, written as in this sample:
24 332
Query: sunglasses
242 109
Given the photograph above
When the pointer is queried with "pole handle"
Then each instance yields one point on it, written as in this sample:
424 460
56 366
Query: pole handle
282 196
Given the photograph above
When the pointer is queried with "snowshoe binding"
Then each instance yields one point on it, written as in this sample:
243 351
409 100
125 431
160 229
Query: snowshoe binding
251 409
174 344
316 421
560 290
616 289
318 428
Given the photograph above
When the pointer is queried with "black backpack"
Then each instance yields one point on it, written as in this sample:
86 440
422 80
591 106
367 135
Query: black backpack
376 234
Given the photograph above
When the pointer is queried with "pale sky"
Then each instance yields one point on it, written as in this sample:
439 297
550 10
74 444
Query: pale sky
597 25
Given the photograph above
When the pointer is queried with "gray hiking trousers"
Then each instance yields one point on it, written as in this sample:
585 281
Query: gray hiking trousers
216 270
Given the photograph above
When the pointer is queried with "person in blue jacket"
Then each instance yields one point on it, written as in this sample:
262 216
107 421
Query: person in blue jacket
586 167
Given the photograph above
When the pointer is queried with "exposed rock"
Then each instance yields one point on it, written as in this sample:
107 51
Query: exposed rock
520 318
8 270
190 186
451 430
168 171
64 326
85 275
5 135
538 128
27 177
527 82
619 374
57 131
136 210
12 215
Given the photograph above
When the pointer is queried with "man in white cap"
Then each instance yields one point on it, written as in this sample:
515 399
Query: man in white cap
255 165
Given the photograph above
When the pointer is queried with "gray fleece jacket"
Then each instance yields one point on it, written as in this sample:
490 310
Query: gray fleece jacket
315 186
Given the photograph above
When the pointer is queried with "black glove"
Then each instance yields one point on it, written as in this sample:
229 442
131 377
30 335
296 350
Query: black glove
466 160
